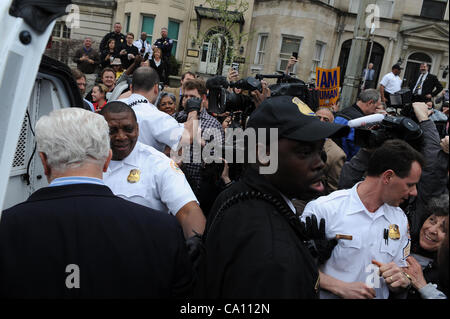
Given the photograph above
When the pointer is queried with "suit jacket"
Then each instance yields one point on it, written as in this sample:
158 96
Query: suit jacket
122 250
431 85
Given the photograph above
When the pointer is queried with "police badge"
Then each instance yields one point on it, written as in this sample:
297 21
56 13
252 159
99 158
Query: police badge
134 176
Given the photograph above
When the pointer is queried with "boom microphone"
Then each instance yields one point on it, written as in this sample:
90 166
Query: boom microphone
363 121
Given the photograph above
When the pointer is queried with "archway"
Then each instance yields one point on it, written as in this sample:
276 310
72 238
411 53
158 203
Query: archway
211 48
413 63
376 58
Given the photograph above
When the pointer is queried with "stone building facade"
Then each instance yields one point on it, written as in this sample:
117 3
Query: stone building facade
95 19
409 32
264 36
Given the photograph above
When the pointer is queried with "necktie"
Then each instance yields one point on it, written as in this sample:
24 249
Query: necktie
418 85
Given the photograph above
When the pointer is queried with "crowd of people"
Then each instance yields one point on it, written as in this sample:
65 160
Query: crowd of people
134 195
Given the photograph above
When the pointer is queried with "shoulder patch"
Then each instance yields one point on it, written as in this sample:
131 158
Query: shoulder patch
175 167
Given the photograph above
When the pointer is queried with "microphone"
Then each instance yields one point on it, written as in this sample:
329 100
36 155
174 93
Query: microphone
369 119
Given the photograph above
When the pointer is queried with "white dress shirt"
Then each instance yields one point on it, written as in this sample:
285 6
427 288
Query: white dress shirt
391 82
156 128
162 186
351 260
148 47
420 80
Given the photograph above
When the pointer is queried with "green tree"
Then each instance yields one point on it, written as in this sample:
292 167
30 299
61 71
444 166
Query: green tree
227 13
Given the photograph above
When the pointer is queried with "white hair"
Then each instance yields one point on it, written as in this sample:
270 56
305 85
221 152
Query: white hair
72 137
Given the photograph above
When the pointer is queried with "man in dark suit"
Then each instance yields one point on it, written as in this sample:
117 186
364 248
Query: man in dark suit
75 239
425 86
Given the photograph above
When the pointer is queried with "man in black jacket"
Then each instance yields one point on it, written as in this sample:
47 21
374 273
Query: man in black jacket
75 239
116 35
254 240
425 86
128 52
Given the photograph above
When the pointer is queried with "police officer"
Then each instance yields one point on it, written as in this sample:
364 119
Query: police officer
143 175
116 35
371 228
253 239
164 43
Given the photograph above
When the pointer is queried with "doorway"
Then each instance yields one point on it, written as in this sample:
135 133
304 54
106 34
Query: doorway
376 58
412 70
210 52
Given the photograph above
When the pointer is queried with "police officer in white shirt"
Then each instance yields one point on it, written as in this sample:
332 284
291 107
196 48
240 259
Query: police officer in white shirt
143 175
156 128
390 83
143 46
371 229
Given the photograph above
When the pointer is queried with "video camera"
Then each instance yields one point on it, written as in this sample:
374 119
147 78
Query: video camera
291 86
391 127
403 100
220 100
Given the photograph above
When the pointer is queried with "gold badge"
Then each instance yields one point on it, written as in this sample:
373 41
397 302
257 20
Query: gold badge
134 176
394 232
302 107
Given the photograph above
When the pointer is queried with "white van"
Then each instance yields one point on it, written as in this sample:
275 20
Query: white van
31 85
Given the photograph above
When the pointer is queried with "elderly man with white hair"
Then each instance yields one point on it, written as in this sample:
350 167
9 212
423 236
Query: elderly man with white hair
74 238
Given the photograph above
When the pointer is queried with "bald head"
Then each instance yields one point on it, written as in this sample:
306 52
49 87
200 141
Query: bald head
144 79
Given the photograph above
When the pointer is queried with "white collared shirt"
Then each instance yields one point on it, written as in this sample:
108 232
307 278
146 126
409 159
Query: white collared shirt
424 77
391 82
156 128
148 47
162 186
351 260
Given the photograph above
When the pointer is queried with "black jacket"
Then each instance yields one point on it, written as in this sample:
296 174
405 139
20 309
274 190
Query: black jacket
252 251
123 250
107 63
131 49
119 37
162 70
165 44
431 85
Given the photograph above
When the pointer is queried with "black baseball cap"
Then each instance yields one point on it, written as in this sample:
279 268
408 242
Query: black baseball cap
294 120
397 66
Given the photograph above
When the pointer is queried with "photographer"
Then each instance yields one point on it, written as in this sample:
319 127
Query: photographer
434 175
211 129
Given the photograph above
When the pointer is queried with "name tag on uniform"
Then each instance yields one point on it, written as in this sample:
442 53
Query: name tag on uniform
394 232
134 176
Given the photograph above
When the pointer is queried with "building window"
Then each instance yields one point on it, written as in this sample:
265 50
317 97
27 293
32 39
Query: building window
127 22
329 2
318 58
173 30
434 9
147 27
60 30
386 7
288 46
261 49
